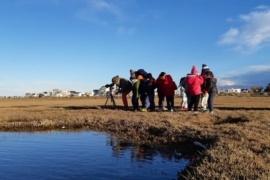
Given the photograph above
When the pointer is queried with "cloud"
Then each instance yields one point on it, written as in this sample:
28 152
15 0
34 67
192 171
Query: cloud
247 77
103 6
253 34
103 11
226 82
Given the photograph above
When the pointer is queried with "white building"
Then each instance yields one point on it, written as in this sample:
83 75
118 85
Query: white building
232 90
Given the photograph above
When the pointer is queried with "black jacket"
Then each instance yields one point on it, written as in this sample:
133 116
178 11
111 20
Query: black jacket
211 85
124 85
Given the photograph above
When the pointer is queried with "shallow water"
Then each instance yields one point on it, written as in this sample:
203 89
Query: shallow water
83 155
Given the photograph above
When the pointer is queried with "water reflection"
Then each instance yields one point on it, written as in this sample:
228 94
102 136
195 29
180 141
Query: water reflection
85 155
146 152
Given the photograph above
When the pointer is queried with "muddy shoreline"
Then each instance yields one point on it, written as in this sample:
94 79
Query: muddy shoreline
237 135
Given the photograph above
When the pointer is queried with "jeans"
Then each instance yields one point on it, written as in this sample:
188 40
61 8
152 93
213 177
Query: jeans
160 100
211 101
170 102
135 102
151 99
194 101
143 100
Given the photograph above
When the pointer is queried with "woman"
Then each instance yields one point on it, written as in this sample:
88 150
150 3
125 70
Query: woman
160 91
211 88
169 88
194 82
124 86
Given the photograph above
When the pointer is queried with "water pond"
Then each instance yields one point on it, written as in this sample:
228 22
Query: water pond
84 155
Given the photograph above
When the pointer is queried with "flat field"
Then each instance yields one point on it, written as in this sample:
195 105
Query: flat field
237 134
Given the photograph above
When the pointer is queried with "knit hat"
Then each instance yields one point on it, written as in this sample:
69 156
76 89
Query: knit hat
149 75
205 68
116 80
194 71
161 74
132 71
204 65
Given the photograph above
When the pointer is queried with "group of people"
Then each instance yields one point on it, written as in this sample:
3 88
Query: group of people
198 87
195 87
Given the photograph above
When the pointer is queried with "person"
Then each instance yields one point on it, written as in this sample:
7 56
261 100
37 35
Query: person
211 88
204 96
183 95
151 86
142 91
160 91
132 75
169 91
194 82
135 93
124 87
205 68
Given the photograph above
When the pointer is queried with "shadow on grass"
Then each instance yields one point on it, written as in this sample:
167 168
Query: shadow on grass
77 107
92 107
244 108
232 120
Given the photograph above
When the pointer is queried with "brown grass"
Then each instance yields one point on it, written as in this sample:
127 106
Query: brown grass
238 132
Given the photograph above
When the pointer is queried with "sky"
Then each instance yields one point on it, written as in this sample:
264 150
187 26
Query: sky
80 45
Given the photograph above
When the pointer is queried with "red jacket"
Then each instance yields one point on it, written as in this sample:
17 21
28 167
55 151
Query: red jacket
169 85
160 86
194 83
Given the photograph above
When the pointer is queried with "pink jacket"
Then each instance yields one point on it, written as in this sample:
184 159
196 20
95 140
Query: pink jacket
194 83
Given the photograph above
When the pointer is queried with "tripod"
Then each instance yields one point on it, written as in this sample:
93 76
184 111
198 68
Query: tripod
110 96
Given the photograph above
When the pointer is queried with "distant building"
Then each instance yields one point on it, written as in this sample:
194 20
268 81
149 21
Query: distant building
232 90
65 93
95 92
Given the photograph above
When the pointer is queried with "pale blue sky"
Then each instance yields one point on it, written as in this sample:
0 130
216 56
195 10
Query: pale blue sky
81 44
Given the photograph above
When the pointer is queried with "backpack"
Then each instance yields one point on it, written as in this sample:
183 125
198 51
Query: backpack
142 72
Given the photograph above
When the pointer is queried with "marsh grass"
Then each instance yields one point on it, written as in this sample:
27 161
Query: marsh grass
237 134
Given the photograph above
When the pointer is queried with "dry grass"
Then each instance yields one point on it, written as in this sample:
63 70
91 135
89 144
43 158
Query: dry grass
238 132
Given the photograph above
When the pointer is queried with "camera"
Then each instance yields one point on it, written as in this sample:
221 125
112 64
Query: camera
110 95
109 85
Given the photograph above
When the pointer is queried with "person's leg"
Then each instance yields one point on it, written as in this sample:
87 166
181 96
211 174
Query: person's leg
191 102
196 102
135 103
172 103
204 101
147 102
211 101
168 101
124 98
142 98
152 101
185 104
181 102
160 101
